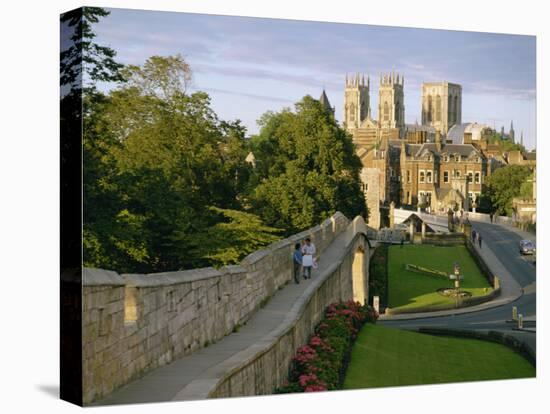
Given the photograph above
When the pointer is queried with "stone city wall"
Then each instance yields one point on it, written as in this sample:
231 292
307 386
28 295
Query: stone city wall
264 366
134 323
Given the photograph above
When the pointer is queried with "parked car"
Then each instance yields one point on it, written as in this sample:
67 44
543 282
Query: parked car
527 247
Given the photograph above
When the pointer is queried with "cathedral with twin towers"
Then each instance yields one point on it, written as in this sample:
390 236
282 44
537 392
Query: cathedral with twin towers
441 105
438 164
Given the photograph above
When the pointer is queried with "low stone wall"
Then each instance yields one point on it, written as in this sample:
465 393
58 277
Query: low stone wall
482 265
486 218
133 324
264 366
445 239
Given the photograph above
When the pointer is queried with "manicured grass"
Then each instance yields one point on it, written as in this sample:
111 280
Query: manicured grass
408 290
385 357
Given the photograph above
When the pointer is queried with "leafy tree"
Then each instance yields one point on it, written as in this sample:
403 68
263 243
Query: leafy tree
503 185
306 168
168 160
526 190
505 144
230 240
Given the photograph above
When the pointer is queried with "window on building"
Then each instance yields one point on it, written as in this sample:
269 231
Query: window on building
352 113
457 174
386 112
478 177
408 176
470 177
421 177
428 176
445 176
457 158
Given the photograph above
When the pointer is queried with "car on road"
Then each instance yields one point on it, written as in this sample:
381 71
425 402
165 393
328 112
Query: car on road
527 247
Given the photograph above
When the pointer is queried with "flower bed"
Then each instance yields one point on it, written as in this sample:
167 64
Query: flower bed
321 364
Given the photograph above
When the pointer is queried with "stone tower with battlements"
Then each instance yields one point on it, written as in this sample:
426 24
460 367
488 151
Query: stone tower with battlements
391 102
356 101
441 105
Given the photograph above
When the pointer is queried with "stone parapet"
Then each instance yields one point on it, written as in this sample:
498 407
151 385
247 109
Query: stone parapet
264 366
134 323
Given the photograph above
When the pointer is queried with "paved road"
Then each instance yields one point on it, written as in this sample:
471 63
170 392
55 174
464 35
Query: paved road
504 244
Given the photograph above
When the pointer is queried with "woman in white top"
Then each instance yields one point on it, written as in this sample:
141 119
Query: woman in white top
308 251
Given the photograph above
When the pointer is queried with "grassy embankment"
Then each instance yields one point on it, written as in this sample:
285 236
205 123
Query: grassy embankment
385 357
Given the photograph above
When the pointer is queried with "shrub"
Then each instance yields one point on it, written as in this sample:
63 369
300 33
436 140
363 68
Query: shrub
321 363
378 274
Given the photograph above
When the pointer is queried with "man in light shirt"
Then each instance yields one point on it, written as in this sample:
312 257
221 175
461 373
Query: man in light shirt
308 252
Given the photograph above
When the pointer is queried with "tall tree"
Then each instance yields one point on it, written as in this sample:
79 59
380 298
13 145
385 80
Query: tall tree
173 159
84 59
307 168
504 184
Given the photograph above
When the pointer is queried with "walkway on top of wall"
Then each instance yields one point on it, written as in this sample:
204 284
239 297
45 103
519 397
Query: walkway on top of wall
164 383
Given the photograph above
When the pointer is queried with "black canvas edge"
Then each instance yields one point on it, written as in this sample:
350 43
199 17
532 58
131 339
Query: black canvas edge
71 239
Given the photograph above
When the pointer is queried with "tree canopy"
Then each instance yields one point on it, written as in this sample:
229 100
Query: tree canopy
306 168
504 184
166 184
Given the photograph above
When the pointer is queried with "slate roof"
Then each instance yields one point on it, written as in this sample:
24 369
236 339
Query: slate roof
462 149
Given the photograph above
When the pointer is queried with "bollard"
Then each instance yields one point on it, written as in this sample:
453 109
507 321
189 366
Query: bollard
514 313
520 321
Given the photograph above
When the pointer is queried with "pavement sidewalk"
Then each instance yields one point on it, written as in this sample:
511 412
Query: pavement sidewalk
187 378
510 291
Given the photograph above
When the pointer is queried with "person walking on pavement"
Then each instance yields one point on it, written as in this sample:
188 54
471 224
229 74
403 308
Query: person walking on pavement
308 251
474 234
479 239
297 260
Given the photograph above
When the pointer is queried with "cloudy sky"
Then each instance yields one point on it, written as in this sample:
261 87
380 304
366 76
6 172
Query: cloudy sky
251 65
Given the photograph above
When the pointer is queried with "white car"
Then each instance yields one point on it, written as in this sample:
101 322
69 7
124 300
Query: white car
527 247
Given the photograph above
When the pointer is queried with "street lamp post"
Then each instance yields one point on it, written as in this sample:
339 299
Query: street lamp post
457 277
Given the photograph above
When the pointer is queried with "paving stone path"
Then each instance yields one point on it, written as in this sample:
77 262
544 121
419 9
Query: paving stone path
164 383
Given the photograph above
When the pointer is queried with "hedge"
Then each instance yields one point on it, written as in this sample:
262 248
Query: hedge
378 275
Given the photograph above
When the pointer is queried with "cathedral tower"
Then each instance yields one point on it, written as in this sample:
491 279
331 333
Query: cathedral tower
441 105
512 133
356 101
391 107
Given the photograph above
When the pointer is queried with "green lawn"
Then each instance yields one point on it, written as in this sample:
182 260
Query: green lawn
385 357
408 290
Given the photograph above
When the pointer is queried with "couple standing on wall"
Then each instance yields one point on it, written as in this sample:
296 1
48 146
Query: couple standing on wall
304 259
